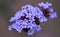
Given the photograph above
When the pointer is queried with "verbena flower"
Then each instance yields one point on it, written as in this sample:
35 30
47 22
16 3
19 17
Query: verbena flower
29 17
47 10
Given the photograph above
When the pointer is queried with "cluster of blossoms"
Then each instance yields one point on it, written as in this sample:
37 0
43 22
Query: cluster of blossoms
29 18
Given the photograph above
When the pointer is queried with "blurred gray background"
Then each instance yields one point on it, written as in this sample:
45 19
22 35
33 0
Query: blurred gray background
8 8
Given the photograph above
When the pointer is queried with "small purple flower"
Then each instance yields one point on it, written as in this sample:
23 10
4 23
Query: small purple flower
47 10
28 19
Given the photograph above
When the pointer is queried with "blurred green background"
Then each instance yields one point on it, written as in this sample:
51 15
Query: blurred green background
8 8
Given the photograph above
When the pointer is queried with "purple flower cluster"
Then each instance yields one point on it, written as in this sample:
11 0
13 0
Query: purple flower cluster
29 18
